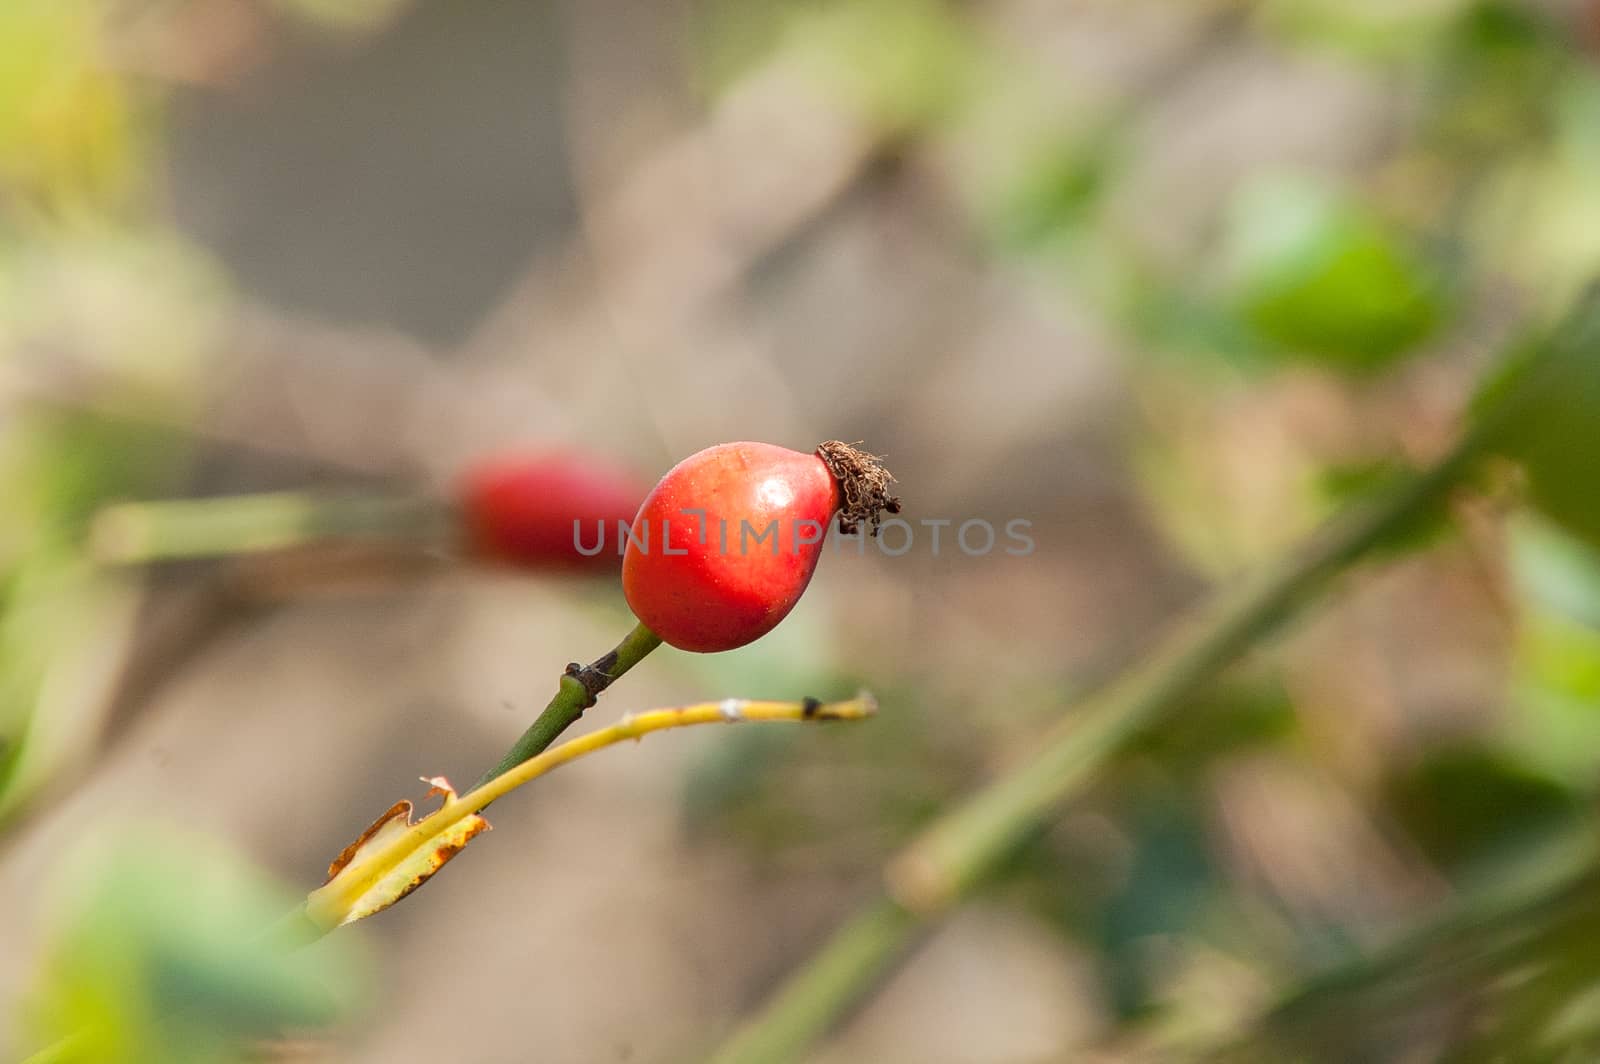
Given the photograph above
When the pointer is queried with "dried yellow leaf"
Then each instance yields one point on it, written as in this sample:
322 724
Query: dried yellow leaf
391 858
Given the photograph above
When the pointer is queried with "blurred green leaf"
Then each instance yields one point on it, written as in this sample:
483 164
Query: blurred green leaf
1357 480
1346 485
1552 393
65 629
79 462
162 954
902 63
1226 721
1556 571
1541 212
1055 194
68 129
1377 29
1492 76
1182 322
64 640
1470 803
1556 673
1321 278
1169 882
1503 959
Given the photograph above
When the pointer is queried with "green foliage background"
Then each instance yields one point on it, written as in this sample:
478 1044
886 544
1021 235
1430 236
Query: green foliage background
1363 299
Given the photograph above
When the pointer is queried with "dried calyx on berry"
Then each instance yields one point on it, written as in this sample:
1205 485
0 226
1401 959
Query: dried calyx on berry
863 486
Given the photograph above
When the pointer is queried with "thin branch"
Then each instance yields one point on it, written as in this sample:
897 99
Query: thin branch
964 845
71 1048
580 687
137 533
940 868
1554 898
347 895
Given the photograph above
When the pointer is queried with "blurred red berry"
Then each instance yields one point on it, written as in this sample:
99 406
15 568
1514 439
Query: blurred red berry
535 510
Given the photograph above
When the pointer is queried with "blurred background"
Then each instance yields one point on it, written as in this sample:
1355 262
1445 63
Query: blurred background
1170 280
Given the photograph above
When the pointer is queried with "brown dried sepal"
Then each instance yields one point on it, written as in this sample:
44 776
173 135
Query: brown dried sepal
863 486
390 874
401 809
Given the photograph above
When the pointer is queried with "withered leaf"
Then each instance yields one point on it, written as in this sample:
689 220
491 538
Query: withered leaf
393 857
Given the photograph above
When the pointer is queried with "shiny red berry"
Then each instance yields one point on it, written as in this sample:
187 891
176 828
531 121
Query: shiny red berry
725 544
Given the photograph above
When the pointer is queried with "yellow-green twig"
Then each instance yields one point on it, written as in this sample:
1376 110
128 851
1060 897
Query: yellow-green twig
636 725
349 893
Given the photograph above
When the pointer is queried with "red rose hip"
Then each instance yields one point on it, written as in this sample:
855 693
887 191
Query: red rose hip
533 510
725 544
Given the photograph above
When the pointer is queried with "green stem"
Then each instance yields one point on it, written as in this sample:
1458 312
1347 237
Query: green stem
844 970
965 844
135 533
70 1048
1550 903
580 686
